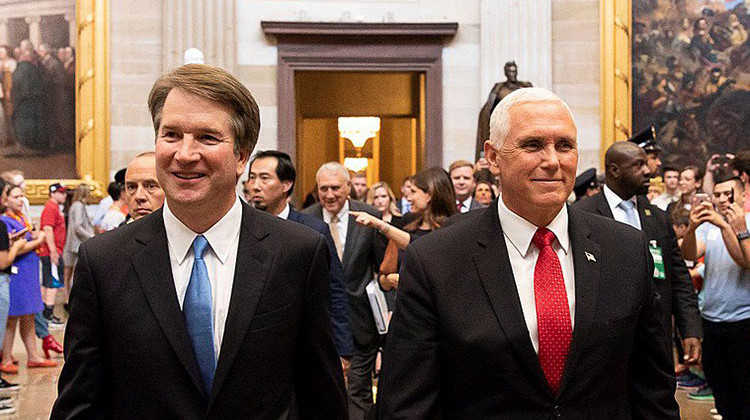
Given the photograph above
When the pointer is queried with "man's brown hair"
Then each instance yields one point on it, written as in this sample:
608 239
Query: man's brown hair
215 84
460 164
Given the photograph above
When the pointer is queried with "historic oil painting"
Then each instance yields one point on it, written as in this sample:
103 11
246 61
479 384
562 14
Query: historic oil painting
691 75
37 75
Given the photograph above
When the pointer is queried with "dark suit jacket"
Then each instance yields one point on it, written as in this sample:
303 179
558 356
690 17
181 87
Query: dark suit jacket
475 205
458 346
363 253
676 290
127 349
339 301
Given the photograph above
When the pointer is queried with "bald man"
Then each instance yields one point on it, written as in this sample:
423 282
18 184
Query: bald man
623 198
143 193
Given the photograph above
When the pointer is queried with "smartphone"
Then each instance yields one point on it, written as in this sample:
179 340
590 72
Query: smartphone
731 196
19 233
700 198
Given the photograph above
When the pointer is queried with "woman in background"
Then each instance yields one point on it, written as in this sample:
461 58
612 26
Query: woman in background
432 201
25 293
79 229
689 184
483 193
382 198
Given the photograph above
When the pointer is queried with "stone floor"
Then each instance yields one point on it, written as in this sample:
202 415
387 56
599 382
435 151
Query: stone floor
39 388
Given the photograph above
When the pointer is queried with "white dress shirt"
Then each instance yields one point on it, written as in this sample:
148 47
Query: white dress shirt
343 223
221 258
518 233
619 214
284 213
465 205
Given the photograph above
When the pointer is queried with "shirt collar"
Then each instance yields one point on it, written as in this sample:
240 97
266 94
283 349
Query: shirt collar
220 236
614 200
327 215
466 203
284 213
520 231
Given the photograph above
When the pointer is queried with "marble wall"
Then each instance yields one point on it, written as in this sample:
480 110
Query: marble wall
147 35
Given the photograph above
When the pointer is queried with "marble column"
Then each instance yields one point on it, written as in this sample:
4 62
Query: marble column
35 35
519 30
72 29
204 24
3 30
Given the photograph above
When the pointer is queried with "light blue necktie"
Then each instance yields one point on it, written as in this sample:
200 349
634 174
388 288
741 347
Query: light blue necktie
197 312
631 217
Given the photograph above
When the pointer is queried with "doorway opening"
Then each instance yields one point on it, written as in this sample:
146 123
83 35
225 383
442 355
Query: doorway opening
391 150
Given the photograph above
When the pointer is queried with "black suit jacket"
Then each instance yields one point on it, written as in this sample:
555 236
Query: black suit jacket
458 346
363 254
676 290
127 350
339 301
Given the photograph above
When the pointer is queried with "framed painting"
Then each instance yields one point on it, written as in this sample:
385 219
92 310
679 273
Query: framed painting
54 119
681 66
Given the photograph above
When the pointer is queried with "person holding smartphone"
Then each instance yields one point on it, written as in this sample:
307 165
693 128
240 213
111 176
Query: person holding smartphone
718 230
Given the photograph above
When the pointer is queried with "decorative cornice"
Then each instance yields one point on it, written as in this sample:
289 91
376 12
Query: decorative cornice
285 31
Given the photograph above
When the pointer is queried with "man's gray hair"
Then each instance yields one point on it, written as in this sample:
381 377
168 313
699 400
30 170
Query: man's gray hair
334 167
500 119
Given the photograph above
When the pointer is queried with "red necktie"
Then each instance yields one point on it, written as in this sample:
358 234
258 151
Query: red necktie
552 310
459 206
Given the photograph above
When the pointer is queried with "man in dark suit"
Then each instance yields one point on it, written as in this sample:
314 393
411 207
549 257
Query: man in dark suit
535 310
622 198
361 251
207 308
462 176
270 182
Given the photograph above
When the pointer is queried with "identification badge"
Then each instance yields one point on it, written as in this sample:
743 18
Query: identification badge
14 270
656 254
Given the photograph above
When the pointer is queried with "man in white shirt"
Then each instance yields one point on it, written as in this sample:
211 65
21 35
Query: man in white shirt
533 310
143 193
462 176
361 251
623 199
270 182
671 188
207 308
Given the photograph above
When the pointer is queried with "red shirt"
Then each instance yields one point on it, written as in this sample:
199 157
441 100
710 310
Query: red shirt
52 216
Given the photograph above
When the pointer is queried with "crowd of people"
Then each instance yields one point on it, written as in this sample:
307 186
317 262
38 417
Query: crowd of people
48 250
703 213
37 94
508 295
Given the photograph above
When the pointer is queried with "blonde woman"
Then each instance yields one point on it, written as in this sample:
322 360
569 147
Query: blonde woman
382 198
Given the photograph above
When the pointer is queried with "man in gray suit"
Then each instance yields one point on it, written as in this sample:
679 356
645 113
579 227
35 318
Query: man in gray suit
361 251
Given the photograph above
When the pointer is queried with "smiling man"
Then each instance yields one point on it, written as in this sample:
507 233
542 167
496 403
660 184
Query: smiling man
533 310
361 252
207 308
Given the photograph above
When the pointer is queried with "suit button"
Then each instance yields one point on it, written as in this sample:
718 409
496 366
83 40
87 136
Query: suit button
556 411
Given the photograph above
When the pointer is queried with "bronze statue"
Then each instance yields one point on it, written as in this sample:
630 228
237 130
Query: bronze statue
498 92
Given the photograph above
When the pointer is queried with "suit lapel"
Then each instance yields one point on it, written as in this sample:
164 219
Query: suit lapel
154 272
602 206
586 260
496 274
353 234
648 223
250 276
